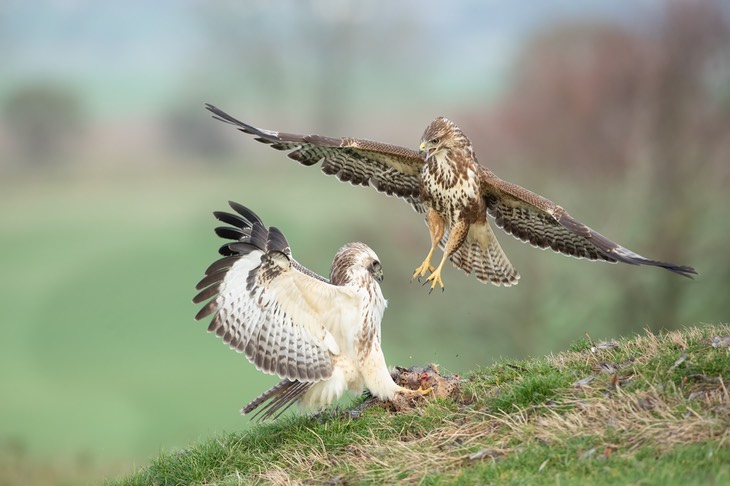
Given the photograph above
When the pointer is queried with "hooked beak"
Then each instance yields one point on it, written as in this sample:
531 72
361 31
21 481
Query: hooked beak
426 154
378 275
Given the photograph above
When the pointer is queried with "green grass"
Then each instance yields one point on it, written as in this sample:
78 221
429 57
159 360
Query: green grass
105 366
645 417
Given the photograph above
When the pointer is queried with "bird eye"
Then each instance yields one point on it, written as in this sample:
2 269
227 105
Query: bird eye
375 266
434 141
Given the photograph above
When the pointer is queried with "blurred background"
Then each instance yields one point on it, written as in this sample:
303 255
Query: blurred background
110 169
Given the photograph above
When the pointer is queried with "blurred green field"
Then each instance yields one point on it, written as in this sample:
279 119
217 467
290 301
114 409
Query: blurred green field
101 353
102 358
110 169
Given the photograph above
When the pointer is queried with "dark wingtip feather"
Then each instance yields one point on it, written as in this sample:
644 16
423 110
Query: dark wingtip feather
210 279
247 213
226 250
624 255
617 253
221 115
229 232
634 259
246 230
205 294
248 234
232 219
240 248
206 310
220 264
683 270
277 241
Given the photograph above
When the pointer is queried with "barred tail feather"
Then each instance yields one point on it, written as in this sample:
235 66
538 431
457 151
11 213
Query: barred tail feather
482 254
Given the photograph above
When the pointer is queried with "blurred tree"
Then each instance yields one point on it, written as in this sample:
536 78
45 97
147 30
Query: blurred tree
45 121
684 137
640 116
575 97
319 57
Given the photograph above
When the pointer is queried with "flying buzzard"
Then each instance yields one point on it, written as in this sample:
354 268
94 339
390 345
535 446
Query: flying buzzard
445 181
320 336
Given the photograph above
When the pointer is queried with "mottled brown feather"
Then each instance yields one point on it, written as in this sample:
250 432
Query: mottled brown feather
390 169
446 188
542 223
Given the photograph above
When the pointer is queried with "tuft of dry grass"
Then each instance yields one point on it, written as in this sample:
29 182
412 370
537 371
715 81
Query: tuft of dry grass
614 420
652 396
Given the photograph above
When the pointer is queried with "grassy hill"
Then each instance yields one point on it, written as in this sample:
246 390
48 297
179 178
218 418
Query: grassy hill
652 409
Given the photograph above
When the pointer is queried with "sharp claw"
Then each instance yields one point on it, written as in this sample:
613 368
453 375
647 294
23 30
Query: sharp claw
434 278
421 271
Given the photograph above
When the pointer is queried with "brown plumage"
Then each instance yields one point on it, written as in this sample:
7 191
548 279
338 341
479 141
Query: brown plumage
445 181
320 336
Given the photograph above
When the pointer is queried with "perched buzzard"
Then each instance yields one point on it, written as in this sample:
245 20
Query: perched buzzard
445 181
320 336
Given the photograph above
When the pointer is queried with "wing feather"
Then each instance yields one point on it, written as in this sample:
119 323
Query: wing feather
542 223
390 169
276 400
264 306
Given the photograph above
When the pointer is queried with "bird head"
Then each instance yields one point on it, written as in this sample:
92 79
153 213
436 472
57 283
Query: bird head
353 262
437 136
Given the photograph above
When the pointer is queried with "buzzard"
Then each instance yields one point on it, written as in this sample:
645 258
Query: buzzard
320 336
445 181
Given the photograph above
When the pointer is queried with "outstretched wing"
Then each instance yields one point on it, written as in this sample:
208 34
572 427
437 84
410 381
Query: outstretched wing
265 307
388 168
542 223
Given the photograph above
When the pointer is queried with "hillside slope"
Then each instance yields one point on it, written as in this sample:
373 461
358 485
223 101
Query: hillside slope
653 409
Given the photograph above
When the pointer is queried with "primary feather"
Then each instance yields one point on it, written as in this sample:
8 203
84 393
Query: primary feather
321 336
446 182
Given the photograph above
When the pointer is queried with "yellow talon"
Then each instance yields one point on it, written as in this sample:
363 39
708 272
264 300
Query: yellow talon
424 392
435 278
421 271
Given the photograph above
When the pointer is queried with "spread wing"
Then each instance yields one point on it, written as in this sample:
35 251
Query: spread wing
542 223
269 307
388 168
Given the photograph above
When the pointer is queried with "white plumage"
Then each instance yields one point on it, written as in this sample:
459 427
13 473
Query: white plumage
322 337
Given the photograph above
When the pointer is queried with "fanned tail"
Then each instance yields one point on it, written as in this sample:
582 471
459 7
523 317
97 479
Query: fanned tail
481 254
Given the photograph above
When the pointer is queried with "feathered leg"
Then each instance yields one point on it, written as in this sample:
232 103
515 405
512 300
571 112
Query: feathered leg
456 239
436 230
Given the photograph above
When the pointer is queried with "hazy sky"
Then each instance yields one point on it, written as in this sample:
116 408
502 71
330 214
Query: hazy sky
146 48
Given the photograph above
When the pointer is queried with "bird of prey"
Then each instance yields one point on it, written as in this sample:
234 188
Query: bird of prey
320 336
445 181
